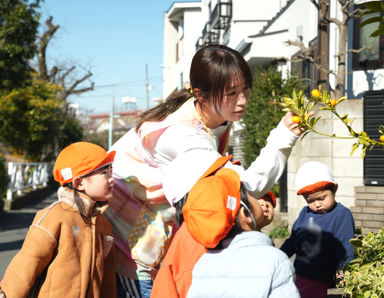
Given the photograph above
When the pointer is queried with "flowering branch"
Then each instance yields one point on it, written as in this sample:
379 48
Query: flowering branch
302 107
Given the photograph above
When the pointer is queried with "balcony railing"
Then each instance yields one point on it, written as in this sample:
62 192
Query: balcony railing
220 19
208 36
221 15
27 175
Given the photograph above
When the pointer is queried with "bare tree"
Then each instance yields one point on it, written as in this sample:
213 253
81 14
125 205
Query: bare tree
62 76
317 56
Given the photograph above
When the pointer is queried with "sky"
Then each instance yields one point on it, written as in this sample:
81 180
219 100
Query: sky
115 40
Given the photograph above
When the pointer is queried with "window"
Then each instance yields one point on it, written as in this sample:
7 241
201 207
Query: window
373 118
372 57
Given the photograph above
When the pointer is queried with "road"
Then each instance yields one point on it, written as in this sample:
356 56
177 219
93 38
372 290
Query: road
14 225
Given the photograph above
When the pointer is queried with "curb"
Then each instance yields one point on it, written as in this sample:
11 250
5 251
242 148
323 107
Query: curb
26 198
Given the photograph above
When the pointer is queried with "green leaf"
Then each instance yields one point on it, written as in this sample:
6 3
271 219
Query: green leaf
370 21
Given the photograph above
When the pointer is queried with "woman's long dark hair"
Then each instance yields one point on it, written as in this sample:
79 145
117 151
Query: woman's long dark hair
212 69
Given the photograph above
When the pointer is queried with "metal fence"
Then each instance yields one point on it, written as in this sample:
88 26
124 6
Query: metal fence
27 176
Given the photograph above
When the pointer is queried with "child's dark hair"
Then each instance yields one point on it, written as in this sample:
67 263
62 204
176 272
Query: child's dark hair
212 69
179 210
77 201
236 229
76 195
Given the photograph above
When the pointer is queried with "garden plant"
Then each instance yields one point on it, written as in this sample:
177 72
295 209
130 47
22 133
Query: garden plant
364 275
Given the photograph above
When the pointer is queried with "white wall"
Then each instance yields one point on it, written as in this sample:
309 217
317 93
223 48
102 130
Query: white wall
169 56
193 22
249 17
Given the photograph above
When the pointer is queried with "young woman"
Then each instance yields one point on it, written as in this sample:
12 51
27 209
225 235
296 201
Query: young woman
197 118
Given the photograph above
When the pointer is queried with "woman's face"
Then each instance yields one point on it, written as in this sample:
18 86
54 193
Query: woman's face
232 106
236 97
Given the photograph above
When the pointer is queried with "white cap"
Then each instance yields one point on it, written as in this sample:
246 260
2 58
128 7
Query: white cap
314 176
184 171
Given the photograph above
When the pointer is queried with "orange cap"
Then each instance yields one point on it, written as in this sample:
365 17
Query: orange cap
270 195
212 204
79 159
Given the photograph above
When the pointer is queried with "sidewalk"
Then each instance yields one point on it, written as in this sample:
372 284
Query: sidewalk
14 225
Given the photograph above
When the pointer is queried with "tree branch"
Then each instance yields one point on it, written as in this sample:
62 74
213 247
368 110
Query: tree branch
43 43
59 75
315 3
307 54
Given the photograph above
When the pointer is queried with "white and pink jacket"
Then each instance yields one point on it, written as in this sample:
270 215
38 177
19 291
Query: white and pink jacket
139 211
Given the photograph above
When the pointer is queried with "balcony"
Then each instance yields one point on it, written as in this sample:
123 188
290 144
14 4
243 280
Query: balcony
221 15
208 36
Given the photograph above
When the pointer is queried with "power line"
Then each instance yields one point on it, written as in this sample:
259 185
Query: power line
127 83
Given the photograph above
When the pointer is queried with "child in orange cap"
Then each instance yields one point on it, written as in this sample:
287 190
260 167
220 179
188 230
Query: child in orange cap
320 235
267 203
241 261
68 251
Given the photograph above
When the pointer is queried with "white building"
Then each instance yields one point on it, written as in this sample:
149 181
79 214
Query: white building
182 25
259 29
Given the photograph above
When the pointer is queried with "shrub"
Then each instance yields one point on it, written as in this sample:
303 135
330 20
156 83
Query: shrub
263 112
280 231
364 275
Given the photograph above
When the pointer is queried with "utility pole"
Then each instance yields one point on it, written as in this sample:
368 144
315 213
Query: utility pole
146 85
111 116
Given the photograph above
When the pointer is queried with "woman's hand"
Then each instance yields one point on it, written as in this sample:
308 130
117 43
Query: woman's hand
294 127
2 295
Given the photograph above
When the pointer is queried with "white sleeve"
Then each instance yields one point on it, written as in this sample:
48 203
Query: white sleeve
262 174
178 139
266 170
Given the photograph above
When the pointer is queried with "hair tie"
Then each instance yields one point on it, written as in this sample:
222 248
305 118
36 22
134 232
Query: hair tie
188 88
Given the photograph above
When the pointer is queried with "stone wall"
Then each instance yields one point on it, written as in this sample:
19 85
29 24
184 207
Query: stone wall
369 208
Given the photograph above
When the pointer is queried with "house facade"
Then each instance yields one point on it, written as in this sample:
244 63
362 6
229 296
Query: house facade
182 25
260 30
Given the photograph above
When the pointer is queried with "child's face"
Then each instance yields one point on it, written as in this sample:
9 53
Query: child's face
99 185
257 211
268 210
321 201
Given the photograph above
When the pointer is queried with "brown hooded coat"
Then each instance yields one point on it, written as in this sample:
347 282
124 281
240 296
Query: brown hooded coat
79 257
